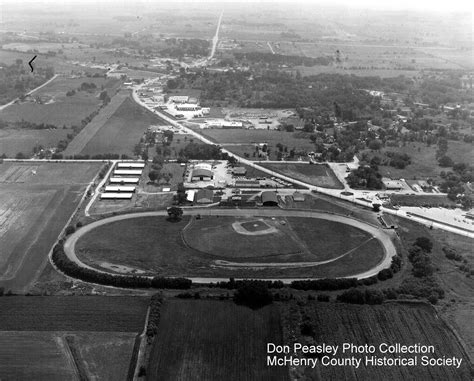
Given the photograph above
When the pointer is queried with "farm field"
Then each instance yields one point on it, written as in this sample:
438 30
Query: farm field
121 131
13 141
36 201
217 340
204 243
73 313
66 338
404 323
316 174
59 109
423 160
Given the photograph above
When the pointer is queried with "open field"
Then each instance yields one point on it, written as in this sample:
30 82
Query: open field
275 247
59 109
423 160
13 141
407 324
69 313
121 131
243 141
217 340
316 174
76 146
36 201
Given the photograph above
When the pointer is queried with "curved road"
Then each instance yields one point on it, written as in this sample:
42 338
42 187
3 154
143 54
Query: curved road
389 248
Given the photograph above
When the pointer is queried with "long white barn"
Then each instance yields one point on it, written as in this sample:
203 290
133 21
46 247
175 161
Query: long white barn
128 172
134 165
116 196
124 180
120 188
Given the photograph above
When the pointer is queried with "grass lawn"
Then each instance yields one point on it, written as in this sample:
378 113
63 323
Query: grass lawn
140 243
216 340
338 323
423 160
315 174
62 110
175 169
13 141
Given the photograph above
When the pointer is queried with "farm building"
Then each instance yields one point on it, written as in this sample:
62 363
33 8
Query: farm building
134 165
239 171
392 184
298 197
116 196
120 188
269 198
124 180
201 174
128 172
188 107
204 196
190 194
179 99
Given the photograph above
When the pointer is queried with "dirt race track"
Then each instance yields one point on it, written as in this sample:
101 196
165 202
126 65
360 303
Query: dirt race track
36 200
224 267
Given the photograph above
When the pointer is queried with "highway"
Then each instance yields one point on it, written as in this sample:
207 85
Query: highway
215 39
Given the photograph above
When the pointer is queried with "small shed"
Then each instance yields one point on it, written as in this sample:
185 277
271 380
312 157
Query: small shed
239 171
298 197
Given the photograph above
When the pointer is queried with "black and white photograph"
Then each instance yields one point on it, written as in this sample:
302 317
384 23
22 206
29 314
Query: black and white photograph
236 190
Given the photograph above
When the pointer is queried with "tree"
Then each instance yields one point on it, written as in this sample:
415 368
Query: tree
154 175
253 294
445 161
174 213
424 243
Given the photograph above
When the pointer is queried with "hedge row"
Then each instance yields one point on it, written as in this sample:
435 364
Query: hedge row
72 269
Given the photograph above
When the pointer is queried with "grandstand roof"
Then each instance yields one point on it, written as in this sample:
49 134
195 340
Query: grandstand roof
269 198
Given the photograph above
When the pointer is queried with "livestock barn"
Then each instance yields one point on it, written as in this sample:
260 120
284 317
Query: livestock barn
269 198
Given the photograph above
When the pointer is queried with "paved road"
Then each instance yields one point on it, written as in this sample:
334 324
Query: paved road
215 39
375 231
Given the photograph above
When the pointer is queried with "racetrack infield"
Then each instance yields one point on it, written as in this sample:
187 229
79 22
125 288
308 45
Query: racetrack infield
212 247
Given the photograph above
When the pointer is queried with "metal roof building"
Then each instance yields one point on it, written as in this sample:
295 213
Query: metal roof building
116 196
201 174
120 188
135 165
128 172
269 198
124 180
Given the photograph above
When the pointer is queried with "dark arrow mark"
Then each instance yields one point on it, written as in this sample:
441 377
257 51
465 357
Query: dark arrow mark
29 63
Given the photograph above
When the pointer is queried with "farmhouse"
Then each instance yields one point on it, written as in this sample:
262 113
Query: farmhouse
128 172
124 180
269 198
134 165
116 196
201 174
204 196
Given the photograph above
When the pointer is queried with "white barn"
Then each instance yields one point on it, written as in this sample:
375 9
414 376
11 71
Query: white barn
124 180
128 172
135 165
120 188
116 196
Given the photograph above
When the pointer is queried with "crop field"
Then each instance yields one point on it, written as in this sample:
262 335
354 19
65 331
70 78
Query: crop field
263 246
337 323
59 109
66 338
217 340
13 141
121 130
34 196
318 174
67 313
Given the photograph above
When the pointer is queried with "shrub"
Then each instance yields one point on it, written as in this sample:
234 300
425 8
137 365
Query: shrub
424 243
385 274
70 229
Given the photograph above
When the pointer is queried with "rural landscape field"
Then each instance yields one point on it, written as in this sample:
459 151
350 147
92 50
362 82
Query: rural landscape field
201 190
